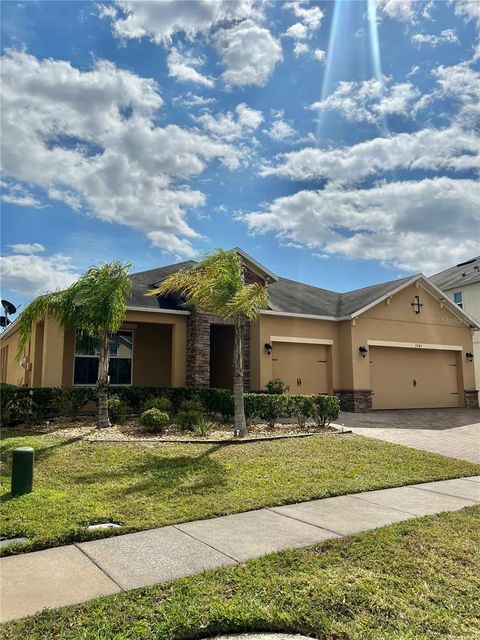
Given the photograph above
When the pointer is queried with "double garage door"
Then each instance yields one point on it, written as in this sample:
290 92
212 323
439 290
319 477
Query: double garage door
413 378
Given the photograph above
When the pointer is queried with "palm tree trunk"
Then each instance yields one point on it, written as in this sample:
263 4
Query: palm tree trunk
102 383
240 424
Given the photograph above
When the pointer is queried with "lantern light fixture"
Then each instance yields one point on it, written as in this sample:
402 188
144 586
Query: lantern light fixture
363 351
469 356
268 348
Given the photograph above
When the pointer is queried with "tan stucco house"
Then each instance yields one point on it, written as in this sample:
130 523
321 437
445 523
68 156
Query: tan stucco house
399 344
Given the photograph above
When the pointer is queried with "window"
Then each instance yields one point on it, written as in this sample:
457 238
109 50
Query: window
86 358
458 298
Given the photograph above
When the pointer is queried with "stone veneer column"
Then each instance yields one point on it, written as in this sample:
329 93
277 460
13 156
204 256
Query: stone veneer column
471 399
355 400
198 348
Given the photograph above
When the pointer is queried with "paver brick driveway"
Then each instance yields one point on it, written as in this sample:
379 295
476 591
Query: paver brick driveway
451 432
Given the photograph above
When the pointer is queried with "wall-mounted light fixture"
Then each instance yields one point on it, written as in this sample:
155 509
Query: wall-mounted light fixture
416 304
469 356
268 348
363 351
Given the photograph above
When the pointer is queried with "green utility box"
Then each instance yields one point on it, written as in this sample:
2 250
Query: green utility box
22 470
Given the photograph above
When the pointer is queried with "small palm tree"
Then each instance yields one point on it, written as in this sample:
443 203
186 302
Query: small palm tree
96 306
217 285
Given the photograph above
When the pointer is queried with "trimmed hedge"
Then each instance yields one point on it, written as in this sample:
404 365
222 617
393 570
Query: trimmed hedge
33 405
269 407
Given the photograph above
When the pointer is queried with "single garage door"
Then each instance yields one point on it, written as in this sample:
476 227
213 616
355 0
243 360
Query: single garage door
304 367
413 378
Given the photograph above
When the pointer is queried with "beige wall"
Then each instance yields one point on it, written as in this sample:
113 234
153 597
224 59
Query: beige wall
287 326
178 324
397 322
152 355
12 371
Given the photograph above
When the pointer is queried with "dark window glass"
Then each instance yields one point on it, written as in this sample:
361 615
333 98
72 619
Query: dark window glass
86 370
120 371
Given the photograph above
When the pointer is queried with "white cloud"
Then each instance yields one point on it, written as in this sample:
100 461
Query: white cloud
470 9
429 150
300 48
231 125
320 55
160 20
182 67
89 138
249 52
369 100
192 100
280 129
21 200
391 222
403 10
447 35
461 84
311 16
28 274
28 248
298 31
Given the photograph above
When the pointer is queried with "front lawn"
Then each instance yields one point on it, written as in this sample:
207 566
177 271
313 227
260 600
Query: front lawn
417 580
149 485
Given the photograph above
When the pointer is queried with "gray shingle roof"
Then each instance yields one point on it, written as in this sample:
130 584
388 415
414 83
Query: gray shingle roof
146 280
462 274
285 295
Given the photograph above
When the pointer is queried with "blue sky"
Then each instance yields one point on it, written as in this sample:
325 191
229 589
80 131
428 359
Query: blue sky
337 143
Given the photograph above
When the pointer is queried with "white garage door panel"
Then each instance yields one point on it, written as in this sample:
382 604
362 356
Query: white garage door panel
413 378
304 367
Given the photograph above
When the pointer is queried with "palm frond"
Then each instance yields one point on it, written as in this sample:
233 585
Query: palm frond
94 303
216 285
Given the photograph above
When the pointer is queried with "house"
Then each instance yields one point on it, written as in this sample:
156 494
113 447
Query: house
462 284
399 344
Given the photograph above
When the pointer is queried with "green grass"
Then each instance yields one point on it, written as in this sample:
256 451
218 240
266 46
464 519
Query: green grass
144 486
418 580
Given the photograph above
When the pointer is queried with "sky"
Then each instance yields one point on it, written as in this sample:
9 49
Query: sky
335 142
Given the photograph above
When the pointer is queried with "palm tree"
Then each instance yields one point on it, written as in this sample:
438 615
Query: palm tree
96 306
217 285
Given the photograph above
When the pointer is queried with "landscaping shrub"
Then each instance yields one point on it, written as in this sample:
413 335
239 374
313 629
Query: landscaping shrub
269 407
154 420
300 408
192 405
277 386
325 409
222 402
69 401
202 428
33 405
116 410
265 406
162 404
189 419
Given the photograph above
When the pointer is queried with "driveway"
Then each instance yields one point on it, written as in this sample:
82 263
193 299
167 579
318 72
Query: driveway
451 432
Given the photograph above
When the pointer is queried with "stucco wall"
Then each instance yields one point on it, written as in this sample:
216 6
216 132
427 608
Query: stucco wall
12 372
396 321
287 326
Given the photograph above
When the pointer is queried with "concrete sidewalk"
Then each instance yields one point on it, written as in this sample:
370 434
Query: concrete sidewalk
80 572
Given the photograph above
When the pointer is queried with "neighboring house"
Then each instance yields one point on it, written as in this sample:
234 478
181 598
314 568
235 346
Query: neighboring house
462 284
399 344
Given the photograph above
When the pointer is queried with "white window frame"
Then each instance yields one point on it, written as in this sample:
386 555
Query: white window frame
459 304
75 355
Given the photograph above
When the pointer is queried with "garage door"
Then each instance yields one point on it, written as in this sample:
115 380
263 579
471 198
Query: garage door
413 378
304 367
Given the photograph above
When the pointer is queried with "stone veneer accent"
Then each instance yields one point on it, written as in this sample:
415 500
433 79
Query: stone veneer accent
198 348
471 399
355 400
198 342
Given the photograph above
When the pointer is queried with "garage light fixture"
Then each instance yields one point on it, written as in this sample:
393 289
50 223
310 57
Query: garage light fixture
363 351
469 356
268 348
